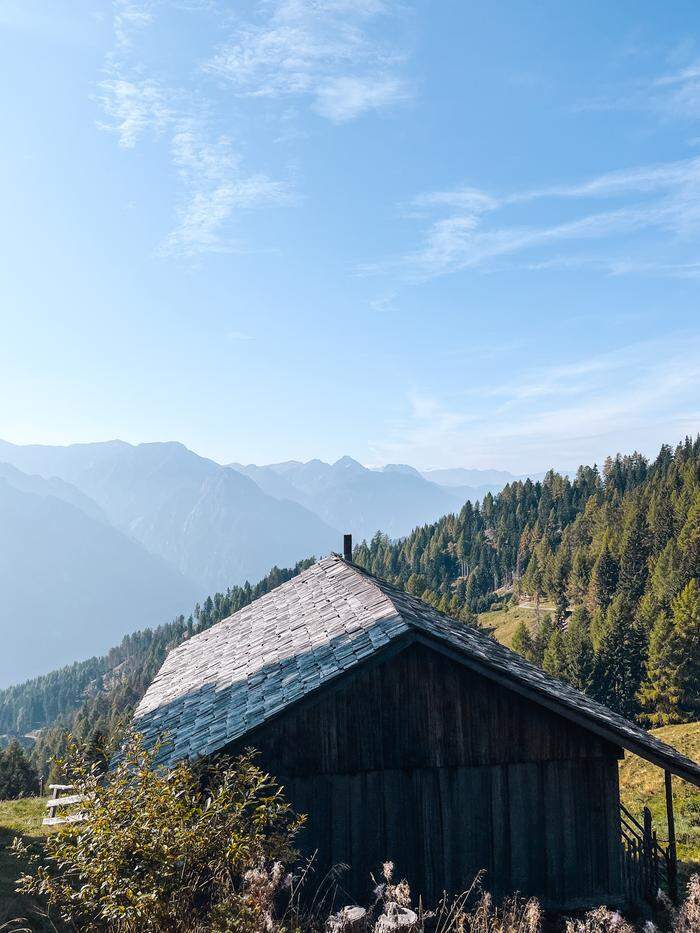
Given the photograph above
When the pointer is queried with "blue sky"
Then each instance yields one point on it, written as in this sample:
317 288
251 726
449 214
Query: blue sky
445 233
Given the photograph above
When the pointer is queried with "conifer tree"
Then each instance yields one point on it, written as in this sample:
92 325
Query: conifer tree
468 617
522 641
667 576
689 540
560 578
18 777
554 658
659 694
578 648
686 624
661 521
604 578
633 557
541 639
580 576
619 663
534 579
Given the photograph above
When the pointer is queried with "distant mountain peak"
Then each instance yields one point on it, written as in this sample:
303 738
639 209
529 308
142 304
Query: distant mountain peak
401 468
347 463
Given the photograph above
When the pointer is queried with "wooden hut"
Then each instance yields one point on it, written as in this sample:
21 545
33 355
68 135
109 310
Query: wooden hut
407 735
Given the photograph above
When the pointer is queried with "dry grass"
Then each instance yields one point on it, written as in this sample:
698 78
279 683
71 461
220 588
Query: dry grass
687 919
505 621
474 911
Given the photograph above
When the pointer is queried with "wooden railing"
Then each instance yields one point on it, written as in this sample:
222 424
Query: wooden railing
647 866
56 802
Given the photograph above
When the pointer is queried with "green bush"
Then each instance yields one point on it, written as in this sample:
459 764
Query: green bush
193 848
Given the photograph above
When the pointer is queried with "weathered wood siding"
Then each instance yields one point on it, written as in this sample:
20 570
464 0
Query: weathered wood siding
424 762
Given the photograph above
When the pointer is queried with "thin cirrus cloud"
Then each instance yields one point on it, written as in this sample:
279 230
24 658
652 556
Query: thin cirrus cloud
323 50
462 228
674 95
214 184
133 108
215 187
679 93
563 414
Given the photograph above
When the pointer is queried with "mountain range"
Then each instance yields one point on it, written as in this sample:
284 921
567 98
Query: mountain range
351 497
97 540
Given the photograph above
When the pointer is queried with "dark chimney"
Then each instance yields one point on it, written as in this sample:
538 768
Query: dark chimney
347 547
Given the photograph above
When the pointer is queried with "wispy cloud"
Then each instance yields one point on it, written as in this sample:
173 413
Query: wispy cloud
130 16
679 93
133 108
345 98
214 189
619 266
673 95
321 49
559 414
463 230
215 185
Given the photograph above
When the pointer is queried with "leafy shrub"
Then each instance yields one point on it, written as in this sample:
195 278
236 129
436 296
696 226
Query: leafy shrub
192 848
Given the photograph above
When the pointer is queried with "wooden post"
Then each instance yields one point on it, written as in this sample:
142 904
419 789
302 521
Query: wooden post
648 855
672 862
54 795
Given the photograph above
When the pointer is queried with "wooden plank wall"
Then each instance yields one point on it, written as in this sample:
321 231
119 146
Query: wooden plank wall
419 709
540 828
421 761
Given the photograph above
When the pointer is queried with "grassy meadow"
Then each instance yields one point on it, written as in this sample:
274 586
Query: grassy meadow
504 621
18 817
642 784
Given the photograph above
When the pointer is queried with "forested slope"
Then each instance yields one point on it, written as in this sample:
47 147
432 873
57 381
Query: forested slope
620 548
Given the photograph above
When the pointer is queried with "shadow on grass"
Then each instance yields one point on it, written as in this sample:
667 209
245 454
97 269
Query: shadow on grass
19 818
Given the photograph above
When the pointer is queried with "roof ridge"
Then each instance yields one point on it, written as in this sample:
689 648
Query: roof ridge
374 581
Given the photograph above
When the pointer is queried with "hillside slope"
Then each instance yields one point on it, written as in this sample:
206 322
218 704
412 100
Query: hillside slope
52 486
72 585
642 785
618 547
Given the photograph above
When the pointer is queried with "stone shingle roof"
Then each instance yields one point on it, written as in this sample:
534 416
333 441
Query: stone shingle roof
224 682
